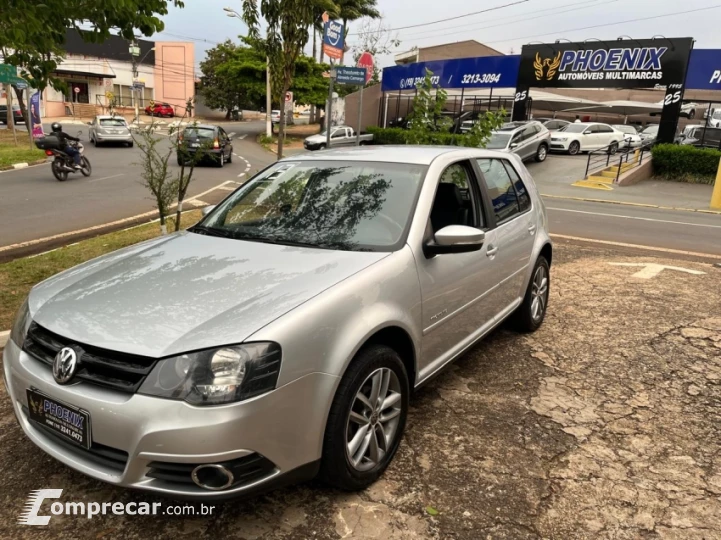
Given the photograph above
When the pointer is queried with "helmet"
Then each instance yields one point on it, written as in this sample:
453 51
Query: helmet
56 127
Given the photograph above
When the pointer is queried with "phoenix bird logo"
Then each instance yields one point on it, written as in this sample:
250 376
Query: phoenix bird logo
551 63
36 406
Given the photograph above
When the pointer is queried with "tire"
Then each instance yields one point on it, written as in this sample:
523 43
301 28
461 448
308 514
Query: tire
92 140
321 146
221 160
526 318
130 144
61 176
379 363
87 169
541 153
574 148
613 148
230 157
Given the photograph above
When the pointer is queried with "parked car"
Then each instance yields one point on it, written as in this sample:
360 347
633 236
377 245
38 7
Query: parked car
283 334
630 135
715 119
709 112
649 133
529 140
586 136
160 109
17 114
700 136
212 141
687 109
109 129
275 116
553 124
339 136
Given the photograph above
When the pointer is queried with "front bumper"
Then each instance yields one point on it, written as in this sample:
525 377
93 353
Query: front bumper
309 146
112 137
284 426
560 145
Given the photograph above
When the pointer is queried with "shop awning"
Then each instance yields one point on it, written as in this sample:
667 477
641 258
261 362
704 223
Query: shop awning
624 108
76 73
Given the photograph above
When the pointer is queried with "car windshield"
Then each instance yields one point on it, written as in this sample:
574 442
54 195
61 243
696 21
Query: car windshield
498 141
357 206
650 130
626 129
717 115
112 122
199 133
574 128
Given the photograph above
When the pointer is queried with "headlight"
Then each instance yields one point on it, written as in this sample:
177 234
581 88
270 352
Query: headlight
216 376
22 323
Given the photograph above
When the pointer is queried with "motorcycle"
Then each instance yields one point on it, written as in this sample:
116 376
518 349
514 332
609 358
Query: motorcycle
63 164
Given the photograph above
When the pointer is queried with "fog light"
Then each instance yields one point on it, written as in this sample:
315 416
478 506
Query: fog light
212 476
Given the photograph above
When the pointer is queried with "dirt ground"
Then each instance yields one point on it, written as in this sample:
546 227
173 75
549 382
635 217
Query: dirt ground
606 423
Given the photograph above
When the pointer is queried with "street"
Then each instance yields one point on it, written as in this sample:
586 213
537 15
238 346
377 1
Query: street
33 204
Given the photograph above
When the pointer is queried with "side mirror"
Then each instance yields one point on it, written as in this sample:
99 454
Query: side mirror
207 210
455 239
514 145
587 132
89 123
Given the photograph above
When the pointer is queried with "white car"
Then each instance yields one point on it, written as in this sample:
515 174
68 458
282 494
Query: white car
630 135
586 136
275 116
715 119
687 109
649 133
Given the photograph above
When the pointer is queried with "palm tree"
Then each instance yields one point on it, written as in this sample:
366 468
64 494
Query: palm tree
352 10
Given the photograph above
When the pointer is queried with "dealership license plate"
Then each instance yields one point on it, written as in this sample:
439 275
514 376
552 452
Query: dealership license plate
71 423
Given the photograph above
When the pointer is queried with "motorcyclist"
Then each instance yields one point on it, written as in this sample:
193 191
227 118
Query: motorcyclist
63 137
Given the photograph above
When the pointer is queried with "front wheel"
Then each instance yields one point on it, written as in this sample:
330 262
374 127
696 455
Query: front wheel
366 420
58 173
574 148
530 314
85 166
613 148
221 160
691 114
541 153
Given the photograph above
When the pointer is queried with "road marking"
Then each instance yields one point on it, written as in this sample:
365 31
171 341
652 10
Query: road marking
241 137
227 188
634 246
651 270
633 217
106 177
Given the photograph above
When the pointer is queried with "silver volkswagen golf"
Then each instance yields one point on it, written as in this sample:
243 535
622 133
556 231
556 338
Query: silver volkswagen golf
281 337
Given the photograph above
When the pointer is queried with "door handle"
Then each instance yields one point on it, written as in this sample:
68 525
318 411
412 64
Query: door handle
532 229
491 251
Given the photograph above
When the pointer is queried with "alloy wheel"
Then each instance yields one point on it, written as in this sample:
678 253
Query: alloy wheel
542 153
372 423
539 293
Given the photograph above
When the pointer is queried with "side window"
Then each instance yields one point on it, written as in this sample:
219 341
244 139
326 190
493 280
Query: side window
518 137
503 195
552 124
456 200
605 129
524 199
529 132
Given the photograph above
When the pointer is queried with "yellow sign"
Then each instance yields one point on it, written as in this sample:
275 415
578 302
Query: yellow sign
551 63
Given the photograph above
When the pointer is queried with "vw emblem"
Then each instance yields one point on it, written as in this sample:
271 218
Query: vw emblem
65 365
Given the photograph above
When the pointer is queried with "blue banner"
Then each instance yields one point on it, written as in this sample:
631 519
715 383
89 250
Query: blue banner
704 70
481 72
37 123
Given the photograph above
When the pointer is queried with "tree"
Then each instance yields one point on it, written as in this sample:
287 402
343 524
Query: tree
376 37
352 10
309 86
287 23
32 34
155 174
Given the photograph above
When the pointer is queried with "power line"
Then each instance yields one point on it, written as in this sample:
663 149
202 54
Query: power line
447 19
607 24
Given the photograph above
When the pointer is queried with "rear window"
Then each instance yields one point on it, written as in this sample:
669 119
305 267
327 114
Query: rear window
199 133
113 122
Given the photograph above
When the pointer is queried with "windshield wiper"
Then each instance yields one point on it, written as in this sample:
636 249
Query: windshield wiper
210 231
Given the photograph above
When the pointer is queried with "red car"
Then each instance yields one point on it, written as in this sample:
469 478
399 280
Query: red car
160 109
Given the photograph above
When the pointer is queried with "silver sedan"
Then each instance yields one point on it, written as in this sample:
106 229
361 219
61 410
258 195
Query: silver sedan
109 129
281 337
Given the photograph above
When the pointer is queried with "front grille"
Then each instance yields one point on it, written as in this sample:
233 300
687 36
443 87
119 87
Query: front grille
107 456
245 470
111 369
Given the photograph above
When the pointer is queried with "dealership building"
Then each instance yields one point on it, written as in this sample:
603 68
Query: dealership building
635 81
98 73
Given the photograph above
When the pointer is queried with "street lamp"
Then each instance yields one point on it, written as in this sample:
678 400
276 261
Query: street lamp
134 50
230 12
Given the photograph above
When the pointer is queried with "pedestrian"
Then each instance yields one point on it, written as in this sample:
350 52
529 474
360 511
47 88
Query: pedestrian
577 120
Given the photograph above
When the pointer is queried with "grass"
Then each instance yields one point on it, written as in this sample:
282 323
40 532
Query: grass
11 154
18 277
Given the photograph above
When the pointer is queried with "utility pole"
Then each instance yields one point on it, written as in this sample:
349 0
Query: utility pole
134 53
268 101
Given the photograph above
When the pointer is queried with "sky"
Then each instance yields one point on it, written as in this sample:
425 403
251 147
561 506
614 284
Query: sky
505 26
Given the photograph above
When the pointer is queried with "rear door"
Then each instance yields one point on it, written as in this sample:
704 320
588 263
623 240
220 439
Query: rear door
530 141
590 139
606 135
515 229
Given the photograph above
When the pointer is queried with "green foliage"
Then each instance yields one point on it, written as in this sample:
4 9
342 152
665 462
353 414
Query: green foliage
426 118
32 34
685 163
481 131
405 136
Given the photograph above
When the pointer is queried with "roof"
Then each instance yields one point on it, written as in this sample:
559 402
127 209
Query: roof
114 47
82 73
108 117
417 155
201 126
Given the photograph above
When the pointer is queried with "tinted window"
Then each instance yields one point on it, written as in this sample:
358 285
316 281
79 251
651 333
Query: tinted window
605 129
454 201
498 141
552 124
113 122
524 199
529 132
500 188
199 133
574 128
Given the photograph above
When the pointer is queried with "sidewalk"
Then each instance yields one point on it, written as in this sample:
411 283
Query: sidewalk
555 176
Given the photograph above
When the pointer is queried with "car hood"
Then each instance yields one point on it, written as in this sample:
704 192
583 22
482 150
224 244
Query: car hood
186 292
315 139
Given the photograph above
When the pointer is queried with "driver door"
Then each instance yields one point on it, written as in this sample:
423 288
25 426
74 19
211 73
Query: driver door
454 286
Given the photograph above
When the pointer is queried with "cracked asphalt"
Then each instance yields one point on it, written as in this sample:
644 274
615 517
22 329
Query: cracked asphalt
606 423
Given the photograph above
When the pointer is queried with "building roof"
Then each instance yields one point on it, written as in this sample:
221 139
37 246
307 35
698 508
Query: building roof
113 48
458 49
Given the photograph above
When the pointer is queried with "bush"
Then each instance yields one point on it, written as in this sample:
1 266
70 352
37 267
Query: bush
684 163
401 136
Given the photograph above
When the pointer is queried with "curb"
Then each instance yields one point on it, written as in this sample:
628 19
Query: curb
626 203
4 337
17 166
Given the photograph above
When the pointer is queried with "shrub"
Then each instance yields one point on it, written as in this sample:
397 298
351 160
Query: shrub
684 163
402 136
